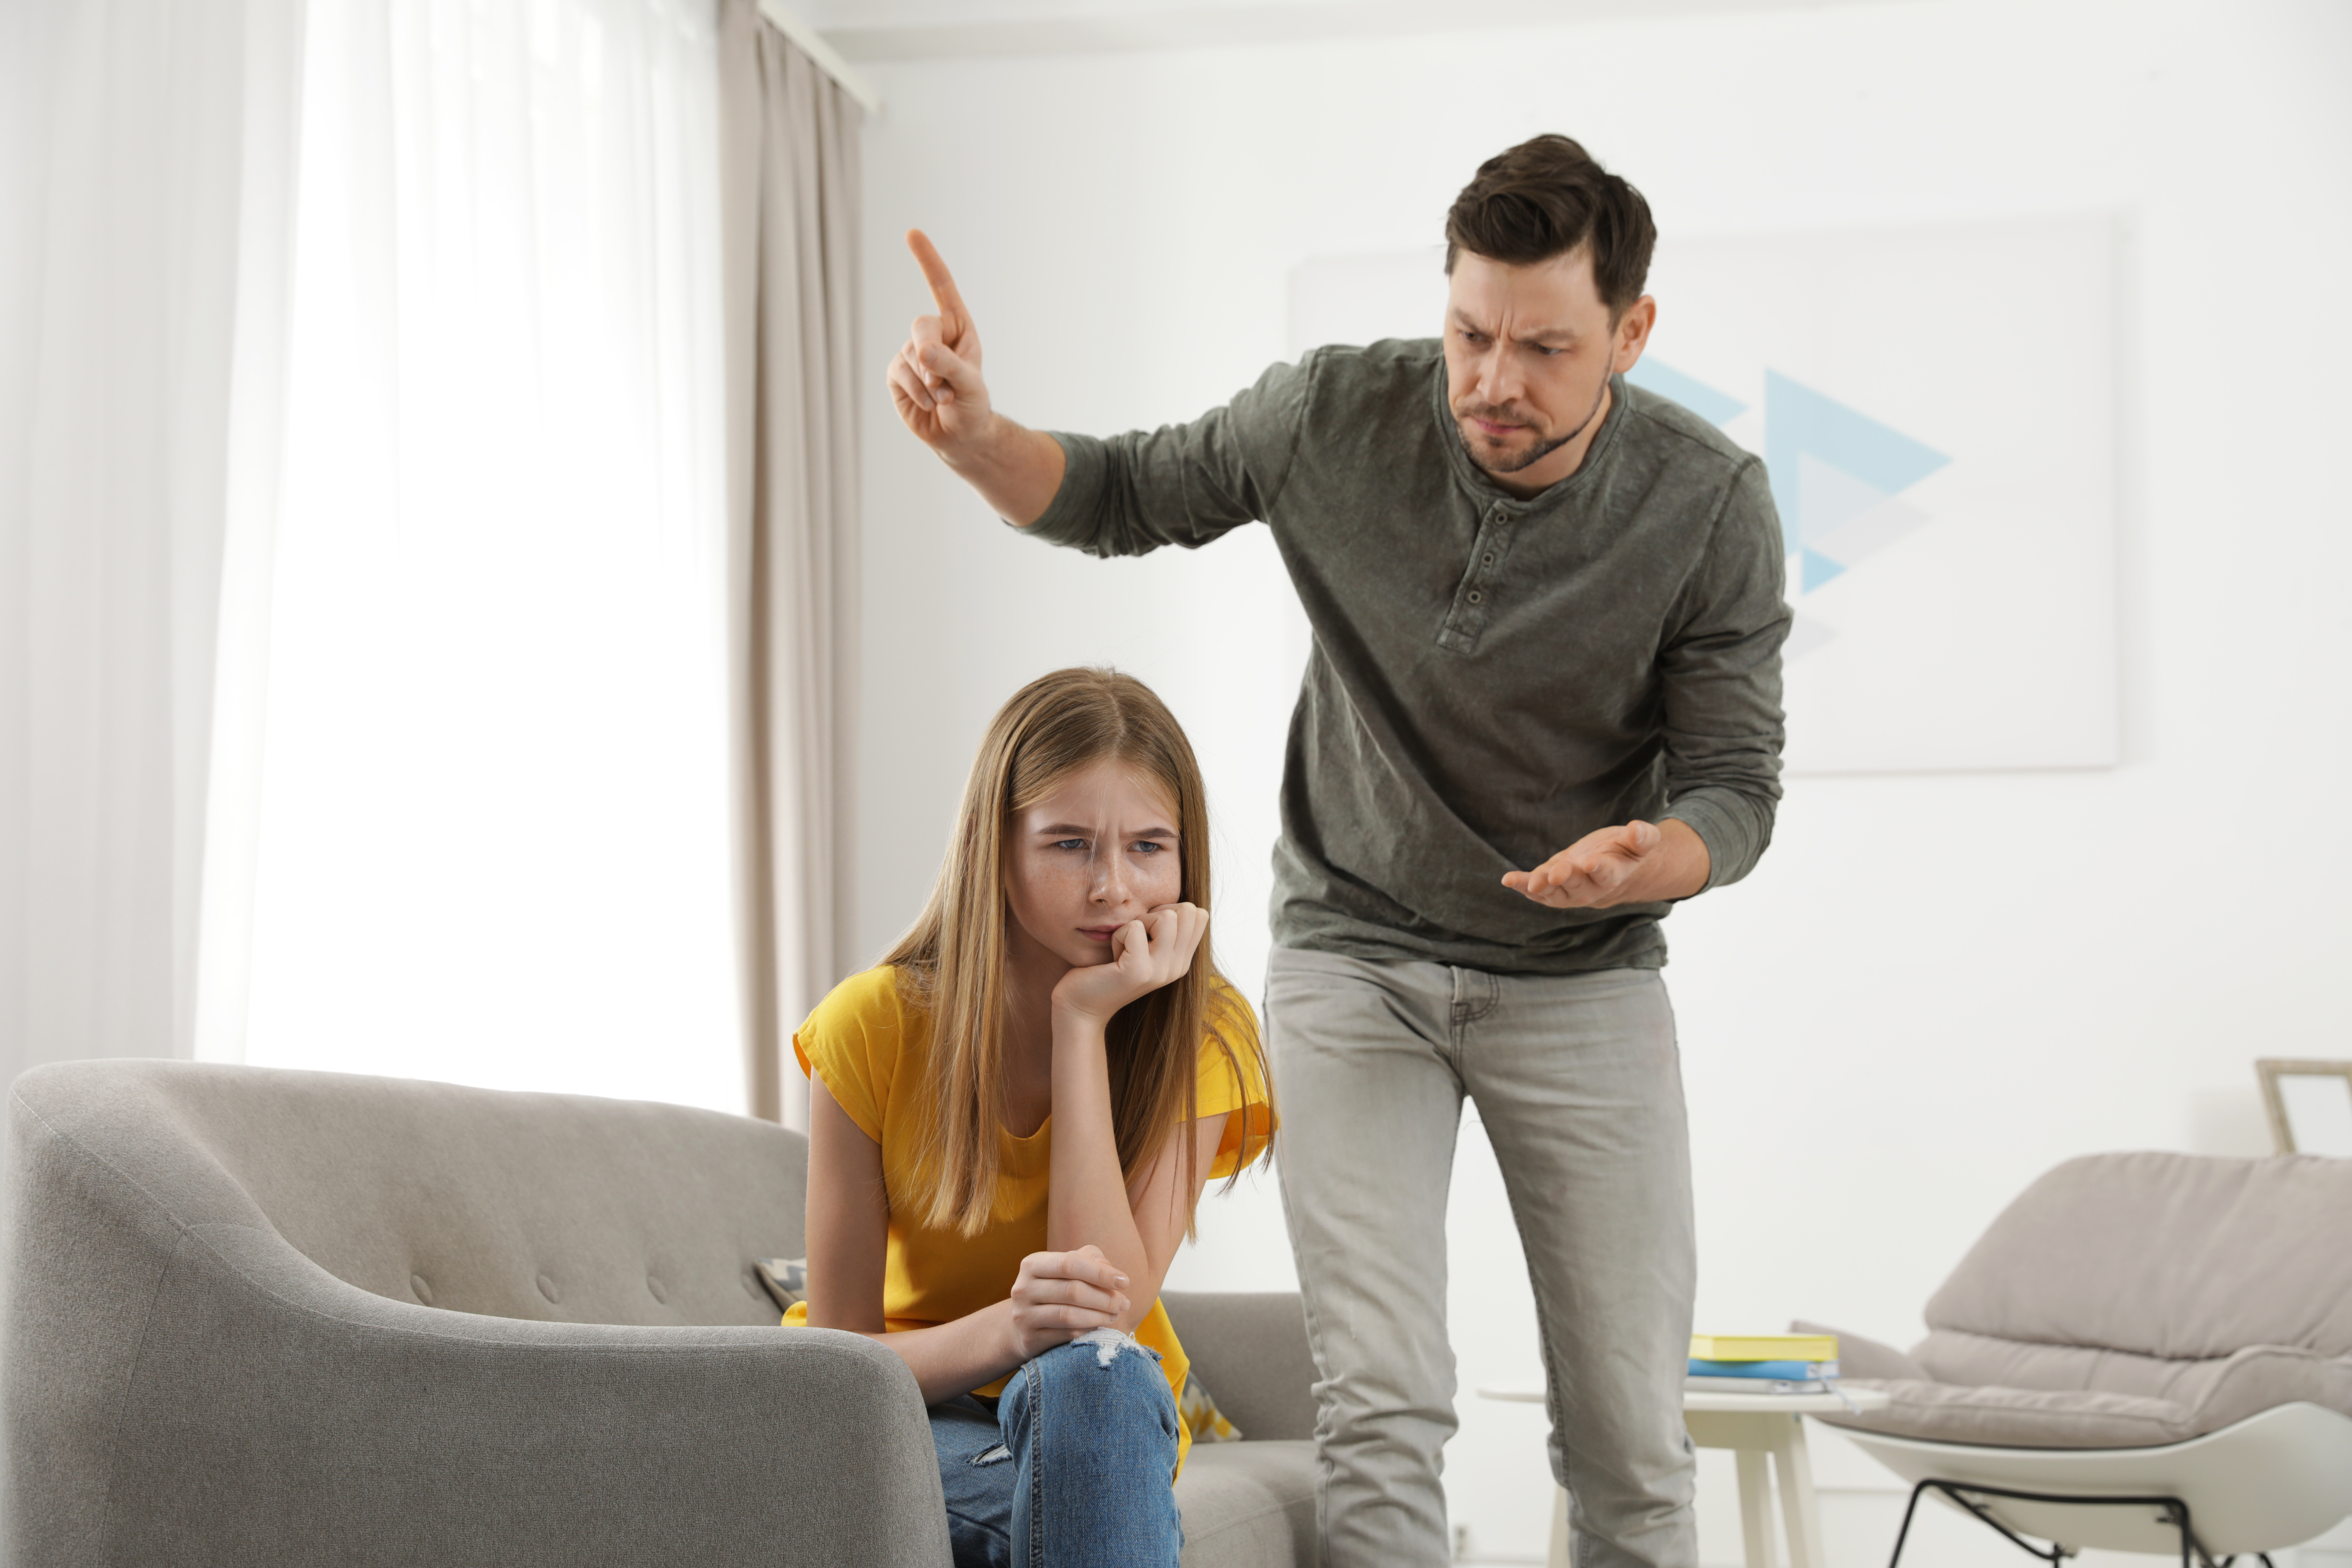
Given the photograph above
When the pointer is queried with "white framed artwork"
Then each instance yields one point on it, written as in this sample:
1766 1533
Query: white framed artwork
1935 409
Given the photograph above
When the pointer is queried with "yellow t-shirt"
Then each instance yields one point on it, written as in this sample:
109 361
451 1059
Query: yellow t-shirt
871 1049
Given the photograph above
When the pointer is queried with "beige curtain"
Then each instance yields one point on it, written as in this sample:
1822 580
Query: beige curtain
788 154
146 181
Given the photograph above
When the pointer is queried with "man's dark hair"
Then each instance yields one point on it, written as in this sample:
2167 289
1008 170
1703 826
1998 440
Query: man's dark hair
1545 197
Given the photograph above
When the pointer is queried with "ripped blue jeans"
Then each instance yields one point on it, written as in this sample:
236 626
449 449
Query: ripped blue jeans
1072 1467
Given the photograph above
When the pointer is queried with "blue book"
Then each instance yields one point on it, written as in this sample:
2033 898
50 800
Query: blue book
1787 1371
1754 1388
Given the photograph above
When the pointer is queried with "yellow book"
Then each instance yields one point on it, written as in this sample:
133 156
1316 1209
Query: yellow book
1764 1347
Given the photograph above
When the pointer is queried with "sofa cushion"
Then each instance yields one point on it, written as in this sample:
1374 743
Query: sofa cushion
1249 1504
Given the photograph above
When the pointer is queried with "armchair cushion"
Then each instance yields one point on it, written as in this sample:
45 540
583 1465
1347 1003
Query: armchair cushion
1861 1356
2179 1256
2132 1301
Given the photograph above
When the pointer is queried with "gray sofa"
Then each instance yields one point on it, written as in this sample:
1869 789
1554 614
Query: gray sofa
258 1317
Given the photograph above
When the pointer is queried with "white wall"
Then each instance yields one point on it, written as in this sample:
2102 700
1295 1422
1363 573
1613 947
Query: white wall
1936 986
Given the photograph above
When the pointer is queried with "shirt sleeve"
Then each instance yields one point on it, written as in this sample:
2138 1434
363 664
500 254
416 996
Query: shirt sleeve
850 1043
1181 484
1233 1079
1721 670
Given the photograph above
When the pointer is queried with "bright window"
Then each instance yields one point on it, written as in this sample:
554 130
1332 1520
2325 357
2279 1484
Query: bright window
494 839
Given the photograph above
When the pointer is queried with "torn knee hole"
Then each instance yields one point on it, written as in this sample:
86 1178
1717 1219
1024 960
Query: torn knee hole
995 1455
1109 1342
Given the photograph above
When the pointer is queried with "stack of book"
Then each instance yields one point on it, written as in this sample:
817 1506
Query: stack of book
1762 1364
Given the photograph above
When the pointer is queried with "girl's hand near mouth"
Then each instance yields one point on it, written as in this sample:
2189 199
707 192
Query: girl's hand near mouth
1146 954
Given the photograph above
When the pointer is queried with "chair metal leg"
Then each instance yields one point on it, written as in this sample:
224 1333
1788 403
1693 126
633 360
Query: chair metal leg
2175 1513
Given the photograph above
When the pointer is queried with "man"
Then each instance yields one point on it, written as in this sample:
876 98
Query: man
1547 612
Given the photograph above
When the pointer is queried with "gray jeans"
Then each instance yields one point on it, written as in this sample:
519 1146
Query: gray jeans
1579 1085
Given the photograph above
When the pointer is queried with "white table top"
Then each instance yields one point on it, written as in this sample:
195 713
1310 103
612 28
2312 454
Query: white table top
1712 1404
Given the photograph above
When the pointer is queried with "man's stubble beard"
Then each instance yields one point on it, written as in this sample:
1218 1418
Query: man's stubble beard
1537 453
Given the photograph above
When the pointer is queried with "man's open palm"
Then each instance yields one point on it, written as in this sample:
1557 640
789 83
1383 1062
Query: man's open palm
1605 867
935 380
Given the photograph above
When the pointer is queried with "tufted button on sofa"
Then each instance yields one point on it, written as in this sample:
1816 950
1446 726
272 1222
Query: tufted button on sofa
258 1317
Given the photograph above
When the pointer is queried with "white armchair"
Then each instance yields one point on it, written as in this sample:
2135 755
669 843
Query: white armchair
2145 1353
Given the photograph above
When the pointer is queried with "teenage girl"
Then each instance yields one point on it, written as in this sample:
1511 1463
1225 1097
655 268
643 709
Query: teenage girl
1013 1117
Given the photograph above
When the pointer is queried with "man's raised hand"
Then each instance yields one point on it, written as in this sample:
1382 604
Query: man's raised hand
936 386
935 380
1638 863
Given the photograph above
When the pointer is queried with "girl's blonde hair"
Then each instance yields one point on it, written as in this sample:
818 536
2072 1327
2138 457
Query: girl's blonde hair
952 963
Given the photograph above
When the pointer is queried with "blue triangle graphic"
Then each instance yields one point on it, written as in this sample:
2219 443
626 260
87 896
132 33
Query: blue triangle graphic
1715 407
1797 421
1828 498
1819 569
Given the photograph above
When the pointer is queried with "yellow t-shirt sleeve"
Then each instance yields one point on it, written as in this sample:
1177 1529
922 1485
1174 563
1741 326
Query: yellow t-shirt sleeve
1233 1080
851 1042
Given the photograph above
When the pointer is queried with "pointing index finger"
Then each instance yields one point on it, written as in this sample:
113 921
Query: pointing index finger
953 317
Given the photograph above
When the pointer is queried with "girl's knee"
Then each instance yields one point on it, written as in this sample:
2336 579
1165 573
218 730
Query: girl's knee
1104 1373
1123 1357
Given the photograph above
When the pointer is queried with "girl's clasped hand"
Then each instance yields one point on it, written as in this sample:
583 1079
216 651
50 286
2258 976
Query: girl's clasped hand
1061 1295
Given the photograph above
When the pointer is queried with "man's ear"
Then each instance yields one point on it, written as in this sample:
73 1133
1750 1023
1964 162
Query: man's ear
1633 334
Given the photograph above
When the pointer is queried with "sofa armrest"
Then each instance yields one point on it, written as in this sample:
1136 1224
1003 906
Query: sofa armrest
1859 1355
274 1413
1251 1348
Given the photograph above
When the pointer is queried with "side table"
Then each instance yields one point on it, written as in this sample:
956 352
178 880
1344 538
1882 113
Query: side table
1766 1431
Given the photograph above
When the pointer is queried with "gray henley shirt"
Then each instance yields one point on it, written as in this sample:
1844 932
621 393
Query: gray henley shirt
1492 678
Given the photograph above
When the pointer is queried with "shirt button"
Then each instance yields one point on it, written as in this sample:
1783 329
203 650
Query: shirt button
1476 596
1488 559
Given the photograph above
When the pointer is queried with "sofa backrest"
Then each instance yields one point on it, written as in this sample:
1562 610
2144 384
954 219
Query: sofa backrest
1250 1348
2165 1258
556 1207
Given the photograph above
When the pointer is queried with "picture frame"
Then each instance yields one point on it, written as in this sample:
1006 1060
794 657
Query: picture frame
2307 1113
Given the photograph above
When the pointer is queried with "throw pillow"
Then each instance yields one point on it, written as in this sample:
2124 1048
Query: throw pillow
1199 1408
786 1279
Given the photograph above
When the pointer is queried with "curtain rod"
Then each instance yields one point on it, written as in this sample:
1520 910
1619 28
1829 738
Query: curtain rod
828 58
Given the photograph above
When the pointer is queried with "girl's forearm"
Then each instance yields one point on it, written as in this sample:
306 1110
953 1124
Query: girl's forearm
958 1357
1086 1198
